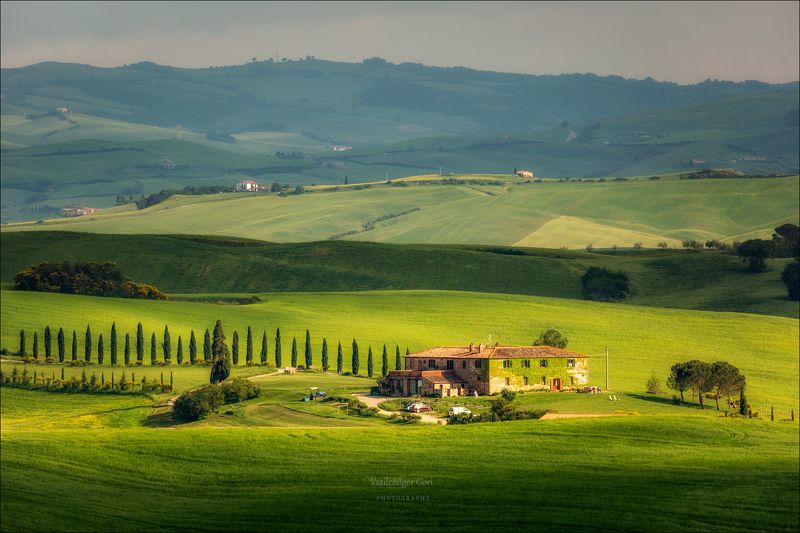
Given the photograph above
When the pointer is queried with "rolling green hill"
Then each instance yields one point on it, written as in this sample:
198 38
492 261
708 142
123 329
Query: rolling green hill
191 264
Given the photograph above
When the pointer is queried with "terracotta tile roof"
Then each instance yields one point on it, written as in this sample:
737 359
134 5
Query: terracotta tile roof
432 376
496 352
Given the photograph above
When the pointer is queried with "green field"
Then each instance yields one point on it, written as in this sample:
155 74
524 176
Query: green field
553 215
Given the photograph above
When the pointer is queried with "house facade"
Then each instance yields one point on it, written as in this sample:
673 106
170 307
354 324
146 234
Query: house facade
247 186
465 370
527 174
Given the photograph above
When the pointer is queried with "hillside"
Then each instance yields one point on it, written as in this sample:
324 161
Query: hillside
192 264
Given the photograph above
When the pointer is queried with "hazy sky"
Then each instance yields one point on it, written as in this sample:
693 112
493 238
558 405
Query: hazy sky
677 41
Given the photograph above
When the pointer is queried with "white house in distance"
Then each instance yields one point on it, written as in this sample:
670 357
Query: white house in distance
527 174
246 186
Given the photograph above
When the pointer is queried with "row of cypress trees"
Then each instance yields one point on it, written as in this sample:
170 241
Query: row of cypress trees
166 349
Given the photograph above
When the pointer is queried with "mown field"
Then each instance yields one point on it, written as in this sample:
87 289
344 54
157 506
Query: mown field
549 214
640 339
647 473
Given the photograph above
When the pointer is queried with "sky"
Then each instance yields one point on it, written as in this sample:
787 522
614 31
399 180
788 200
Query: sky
684 42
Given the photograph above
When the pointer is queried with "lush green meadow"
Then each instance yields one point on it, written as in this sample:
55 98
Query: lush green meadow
640 339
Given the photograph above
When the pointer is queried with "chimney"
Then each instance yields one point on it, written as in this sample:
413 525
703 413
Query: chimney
471 347
480 348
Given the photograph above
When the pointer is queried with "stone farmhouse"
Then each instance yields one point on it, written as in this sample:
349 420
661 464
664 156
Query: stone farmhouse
527 174
465 370
247 186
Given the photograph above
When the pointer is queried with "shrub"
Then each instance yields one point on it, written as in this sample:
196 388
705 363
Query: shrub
653 384
239 390
604 285
199 403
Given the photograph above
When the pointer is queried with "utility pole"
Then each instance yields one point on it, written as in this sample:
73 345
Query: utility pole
606 367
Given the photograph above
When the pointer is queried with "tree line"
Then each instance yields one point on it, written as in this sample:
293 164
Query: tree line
132 350
91 384
720 379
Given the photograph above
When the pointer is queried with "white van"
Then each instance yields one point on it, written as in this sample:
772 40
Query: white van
459 411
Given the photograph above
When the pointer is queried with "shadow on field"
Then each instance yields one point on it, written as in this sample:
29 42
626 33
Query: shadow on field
664 401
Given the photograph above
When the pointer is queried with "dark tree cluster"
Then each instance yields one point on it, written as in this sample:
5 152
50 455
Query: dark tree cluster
91 279
720 378
604 285
156 198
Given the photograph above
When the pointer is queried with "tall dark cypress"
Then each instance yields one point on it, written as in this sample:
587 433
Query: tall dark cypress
294 352
192 349
235 348
167 346
355 362
113 344
264 349
339 358
48 343
278 348
308 350
21 342
36 345
127 353
385 362
207 346
324 354
74 345
179 355
248 354
398 365
100 350
61 347
369 361
407 352
221 366
153 354
87 345
139 343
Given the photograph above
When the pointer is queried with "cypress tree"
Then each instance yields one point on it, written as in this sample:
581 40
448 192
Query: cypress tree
278 348
354 362
324 354
100 350
36 345
179 355
398 365
207 346
167 346
153 354
264 349
235 348
21 342
385 363
113 344
48 343
61 349
742 402
294 352
248 354
369 361
192 349
339 358
74 345
127 353
221 365
308 350
87 345
407 352
139 343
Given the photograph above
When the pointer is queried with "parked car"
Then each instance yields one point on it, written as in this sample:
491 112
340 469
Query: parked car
458 411
418 407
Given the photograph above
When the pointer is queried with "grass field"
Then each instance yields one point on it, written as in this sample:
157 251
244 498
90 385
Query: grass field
548 215
640 339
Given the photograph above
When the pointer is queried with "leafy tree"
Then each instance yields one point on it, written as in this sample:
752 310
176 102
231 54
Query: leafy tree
207 346
791 278
48 343
294 351
308 350
74 345
701 378
235 348
693 245
61 349
87 345
35 345
153 354
663 245
398 364
786 240
192 348
139 343
179 355
384 362
21 342
551 337
100 350
339 358
755 252
324 354
679 378
653 384
369 361
199 403
221 358
264 348
278 357
249 347
166 346
113 344
127 352
726 380
354 362
603 285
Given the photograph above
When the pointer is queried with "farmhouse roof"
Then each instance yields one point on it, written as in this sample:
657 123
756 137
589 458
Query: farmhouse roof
496 352
432 376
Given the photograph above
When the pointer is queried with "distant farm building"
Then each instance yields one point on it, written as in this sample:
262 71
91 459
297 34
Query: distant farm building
467 370
78 211
167 164
63 110
247 186
527 174
340 148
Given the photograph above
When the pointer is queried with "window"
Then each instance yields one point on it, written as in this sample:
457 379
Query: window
542 363
506 363
478 364
570 363
508 381
431 363
526 363
525 381
450 364
463 364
